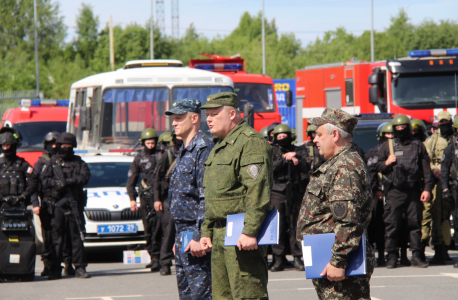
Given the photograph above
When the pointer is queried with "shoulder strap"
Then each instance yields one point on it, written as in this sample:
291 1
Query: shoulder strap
170 168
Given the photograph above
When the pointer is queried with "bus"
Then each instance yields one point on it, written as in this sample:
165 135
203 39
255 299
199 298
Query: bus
109 111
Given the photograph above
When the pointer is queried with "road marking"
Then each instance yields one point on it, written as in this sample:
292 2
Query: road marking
373 298
106 297
387 276
454 275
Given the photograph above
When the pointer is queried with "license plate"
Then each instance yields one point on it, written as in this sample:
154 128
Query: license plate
116 229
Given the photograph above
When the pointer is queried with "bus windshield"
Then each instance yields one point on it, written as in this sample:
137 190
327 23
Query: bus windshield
126 112
425 90
33 133
199 93
257 94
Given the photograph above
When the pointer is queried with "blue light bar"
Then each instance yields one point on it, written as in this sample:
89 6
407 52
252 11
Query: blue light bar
433 52
80 151
219 67
37 103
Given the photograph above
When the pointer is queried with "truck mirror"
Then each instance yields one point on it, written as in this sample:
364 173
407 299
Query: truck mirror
373 78
289 98
248 112
373 94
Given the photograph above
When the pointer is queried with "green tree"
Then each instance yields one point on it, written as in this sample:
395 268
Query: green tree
87 33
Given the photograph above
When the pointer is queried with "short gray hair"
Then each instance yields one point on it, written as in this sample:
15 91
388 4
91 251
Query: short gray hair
347 137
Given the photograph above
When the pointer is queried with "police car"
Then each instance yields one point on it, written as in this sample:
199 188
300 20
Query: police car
109 220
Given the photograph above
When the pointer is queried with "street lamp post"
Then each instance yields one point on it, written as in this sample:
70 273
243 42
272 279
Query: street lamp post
36 47
263 43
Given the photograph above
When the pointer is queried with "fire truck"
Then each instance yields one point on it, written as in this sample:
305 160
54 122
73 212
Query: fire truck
419 86
34 119
254 89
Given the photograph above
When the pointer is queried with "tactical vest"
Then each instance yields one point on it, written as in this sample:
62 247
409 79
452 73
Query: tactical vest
148 165
12 180
46 172
406 169
71 169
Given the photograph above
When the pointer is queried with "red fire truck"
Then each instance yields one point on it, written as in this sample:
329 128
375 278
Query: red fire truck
34 120
255 89
419 86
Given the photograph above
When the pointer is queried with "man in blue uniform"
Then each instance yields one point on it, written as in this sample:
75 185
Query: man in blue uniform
186 198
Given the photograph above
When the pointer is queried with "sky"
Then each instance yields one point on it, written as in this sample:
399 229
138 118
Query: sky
307 19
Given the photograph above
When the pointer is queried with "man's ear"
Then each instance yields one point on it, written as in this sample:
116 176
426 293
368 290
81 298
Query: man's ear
233 114
335 135
195 118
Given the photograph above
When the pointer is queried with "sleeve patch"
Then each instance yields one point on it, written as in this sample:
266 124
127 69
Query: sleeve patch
443 157
129 174
254 171
29 170
339 209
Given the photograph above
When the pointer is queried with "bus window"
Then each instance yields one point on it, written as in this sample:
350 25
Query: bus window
257 94
80 102
199 93
126 112
96 105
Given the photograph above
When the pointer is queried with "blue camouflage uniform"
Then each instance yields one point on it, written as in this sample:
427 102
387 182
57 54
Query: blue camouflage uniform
187 205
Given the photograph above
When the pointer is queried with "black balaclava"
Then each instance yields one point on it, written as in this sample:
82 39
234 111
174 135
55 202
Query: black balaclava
446 129
50 149
11 152
404 134
150 151
65 153
284 143
420 135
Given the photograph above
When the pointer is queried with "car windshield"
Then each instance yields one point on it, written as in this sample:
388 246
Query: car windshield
108 174
258 95
365 137
33 133
199 93
425 90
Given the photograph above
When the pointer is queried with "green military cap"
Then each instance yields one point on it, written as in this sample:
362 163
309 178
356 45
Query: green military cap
336 117
444 115
220 99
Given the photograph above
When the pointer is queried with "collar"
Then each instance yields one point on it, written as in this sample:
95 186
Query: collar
325 166
193 142
232 135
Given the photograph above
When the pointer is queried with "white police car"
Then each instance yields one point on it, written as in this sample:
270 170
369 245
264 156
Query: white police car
109 220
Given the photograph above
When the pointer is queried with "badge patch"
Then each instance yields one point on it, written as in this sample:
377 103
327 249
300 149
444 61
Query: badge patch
374 159
148 165
129 174
399 153
29 170
43 169
369 162
339 209
254 171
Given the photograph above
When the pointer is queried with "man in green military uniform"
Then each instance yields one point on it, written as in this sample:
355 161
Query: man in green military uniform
338 200
434 225
238 179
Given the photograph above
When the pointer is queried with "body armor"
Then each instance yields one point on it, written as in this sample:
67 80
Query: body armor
406 171
12 180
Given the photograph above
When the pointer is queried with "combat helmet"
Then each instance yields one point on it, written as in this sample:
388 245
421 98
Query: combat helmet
418 125
282 128
67 138
311 128
455 123
50 137
148 134
263 132
10 136
401 120
165 137
386 128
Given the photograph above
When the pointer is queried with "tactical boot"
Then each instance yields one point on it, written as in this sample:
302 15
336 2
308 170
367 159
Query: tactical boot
286 262
416 260
392 260
81 273
150 265
47 268
422 253
165 270
438 258
299 264
278 265
404 261
55 273
155 266
68 270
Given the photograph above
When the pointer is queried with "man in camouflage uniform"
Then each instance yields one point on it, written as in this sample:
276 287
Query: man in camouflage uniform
436 213
187 202
238 179
449 178
338 200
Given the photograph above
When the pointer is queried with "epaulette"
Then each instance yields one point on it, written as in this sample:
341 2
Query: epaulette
200 143
250 131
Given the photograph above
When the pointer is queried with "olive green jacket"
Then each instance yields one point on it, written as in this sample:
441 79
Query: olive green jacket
238 179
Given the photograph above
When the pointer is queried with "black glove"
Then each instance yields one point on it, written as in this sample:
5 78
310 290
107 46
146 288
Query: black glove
16 199
59 184
8 199
71 181
447 196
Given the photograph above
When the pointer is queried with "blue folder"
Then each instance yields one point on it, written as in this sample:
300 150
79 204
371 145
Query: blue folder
186 237
268 235
316 249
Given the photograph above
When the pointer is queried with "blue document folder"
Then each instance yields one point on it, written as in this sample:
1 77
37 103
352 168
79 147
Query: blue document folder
186 237
316 249
268 235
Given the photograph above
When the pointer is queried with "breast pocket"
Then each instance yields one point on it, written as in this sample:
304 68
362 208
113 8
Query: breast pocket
223 172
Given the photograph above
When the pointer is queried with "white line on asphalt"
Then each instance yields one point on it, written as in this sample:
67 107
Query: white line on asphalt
454 275
106 297
388 276
373 298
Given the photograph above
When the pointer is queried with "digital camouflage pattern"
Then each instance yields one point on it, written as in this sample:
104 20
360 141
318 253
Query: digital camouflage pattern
337 117
182 106
338 200
220 99
187 205
238 179
435 146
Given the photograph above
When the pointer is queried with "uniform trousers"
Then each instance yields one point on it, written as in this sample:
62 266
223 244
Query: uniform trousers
237 274
376 228
163 236
193 273
397 203
47 249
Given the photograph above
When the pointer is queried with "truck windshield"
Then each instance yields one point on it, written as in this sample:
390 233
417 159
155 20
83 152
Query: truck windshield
33 133
126 112
257 94
199 93
427 90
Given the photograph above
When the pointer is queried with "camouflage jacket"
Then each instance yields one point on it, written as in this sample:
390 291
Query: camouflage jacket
338 200
186 193
238 179
435 145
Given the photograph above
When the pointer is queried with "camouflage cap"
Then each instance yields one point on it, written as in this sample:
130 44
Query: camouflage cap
182 106
444 115
337 117
220 99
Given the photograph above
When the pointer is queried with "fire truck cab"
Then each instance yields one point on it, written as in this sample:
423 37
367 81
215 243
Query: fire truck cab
254 89
34 119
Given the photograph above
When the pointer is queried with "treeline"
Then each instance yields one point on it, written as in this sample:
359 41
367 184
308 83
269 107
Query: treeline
63 63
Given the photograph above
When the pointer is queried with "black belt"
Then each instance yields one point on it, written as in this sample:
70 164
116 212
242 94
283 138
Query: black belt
220 223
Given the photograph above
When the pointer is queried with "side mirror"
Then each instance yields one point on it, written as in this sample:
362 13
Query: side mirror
373 78
248 112
373 94
289 98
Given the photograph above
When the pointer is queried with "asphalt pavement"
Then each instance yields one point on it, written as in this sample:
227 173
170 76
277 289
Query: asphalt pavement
112 280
